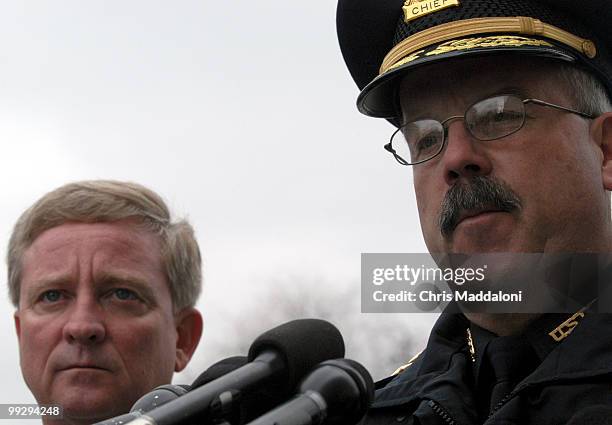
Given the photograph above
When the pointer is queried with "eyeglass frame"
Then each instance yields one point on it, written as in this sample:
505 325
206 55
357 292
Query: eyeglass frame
388 147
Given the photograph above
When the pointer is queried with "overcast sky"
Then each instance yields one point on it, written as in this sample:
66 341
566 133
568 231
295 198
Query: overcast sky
240 114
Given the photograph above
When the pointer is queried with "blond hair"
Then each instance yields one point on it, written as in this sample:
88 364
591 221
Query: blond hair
107 201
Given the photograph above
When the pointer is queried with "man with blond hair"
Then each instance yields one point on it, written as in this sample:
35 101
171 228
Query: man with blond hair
104 283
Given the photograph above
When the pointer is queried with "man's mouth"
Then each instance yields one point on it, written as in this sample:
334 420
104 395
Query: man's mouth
83 366
468 214
481 198
86 366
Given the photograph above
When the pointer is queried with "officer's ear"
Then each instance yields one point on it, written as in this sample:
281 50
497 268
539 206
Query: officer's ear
602 133
189 326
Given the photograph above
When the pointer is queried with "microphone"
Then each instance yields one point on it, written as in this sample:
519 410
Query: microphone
166 393
239 409
160 395
222 367
278 359
336 392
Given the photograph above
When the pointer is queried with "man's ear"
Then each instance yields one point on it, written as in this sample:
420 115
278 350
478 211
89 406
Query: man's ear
602 133
189 326
17 324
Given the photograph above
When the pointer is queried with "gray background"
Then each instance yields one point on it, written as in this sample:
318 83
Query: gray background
241 114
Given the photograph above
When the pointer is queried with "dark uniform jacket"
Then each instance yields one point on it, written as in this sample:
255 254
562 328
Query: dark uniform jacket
440 386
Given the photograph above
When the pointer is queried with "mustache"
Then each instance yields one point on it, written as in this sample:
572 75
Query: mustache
480 193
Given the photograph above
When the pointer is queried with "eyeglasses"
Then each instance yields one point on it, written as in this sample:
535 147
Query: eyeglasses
489 119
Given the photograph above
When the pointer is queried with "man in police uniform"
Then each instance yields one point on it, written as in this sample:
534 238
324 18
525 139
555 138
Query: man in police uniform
503 113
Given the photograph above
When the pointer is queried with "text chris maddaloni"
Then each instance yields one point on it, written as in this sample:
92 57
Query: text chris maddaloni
447 296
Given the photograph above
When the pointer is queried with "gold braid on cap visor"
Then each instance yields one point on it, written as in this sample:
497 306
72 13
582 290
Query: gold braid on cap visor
510 25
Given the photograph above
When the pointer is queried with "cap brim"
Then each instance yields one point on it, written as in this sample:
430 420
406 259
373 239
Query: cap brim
380 97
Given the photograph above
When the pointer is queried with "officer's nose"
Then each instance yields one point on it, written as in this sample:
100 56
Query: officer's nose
463 156
85 324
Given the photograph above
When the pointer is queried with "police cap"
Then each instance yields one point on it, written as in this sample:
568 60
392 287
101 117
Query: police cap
381 40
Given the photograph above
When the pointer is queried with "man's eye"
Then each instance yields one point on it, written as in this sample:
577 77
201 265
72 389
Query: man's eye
427 142
125 294
507 116
51 296
500 116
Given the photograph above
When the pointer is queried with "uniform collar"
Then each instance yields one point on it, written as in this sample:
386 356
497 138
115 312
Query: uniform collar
446 362
537 335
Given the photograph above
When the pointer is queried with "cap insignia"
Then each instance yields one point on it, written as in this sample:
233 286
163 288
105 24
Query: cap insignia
511 32
492 41
417 8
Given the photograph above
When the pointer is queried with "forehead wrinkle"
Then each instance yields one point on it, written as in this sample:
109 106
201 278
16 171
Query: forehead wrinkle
59 280
139 250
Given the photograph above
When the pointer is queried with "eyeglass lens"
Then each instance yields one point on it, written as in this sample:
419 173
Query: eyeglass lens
488 119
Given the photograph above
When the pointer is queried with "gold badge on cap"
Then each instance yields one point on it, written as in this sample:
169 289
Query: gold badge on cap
417 8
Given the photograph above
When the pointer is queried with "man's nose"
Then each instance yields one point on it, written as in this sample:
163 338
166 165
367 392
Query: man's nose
463 156
85 324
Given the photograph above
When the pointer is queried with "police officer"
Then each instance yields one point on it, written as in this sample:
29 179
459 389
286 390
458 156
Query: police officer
503 111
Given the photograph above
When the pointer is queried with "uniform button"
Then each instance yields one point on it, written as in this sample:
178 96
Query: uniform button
400 418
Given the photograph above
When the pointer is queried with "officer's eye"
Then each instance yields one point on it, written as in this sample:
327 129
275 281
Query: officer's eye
504 116
428 141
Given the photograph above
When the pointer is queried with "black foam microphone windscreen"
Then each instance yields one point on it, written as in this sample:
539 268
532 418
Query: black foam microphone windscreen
249 406
278 360
301 347
222 367
336 392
